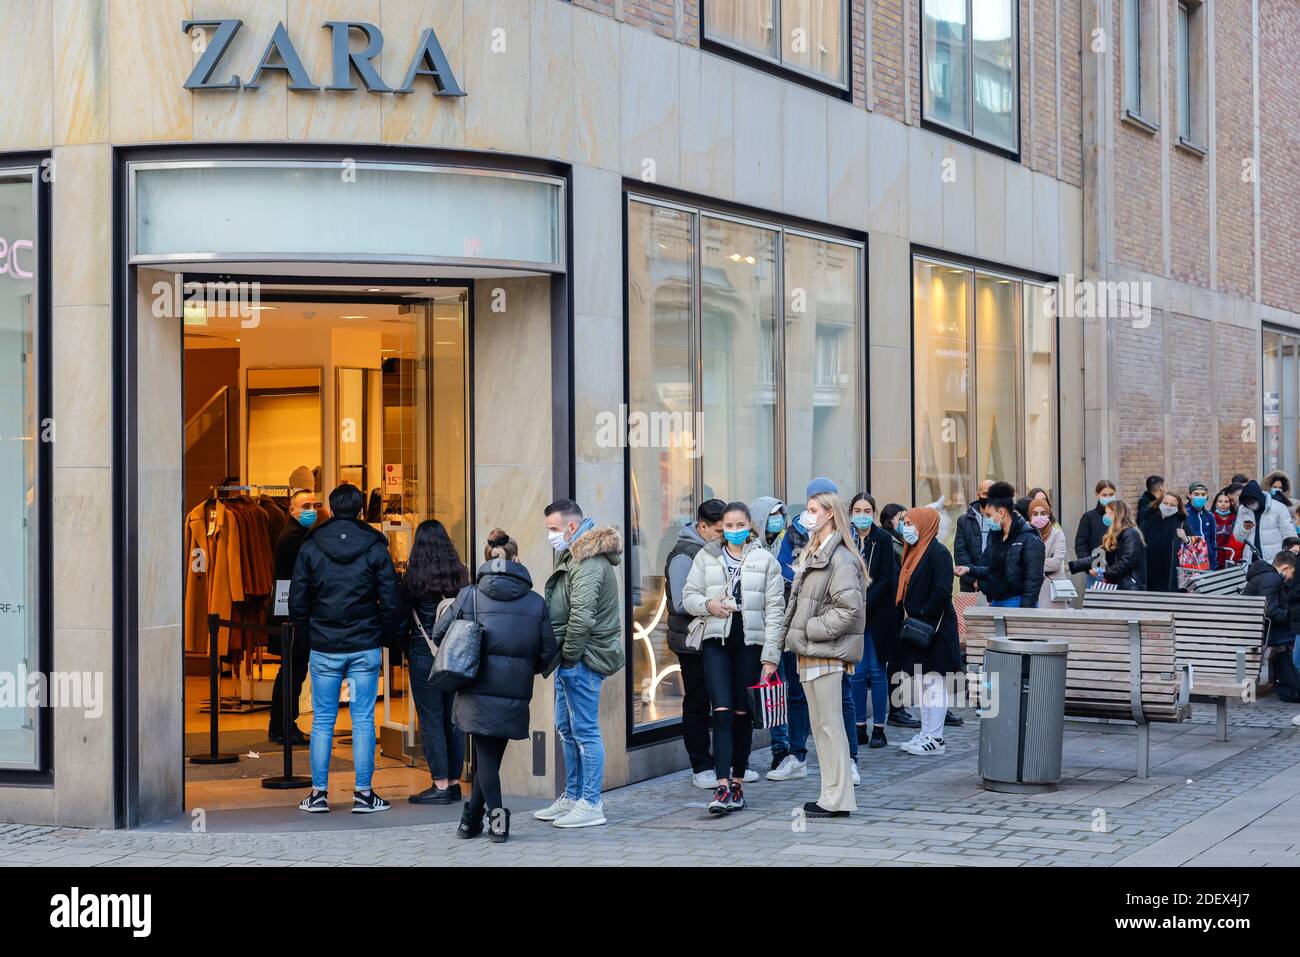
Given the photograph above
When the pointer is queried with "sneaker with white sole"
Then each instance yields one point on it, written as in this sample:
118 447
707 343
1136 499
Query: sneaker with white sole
1296 719
750 775
562 806
914 739
857 778
315 803
584 814
789 769
928 745
368 803
705 780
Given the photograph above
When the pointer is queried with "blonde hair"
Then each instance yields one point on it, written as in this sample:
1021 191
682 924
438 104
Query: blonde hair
839 521
1122 518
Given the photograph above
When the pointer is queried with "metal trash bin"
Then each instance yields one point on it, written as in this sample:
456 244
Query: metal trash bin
1020 742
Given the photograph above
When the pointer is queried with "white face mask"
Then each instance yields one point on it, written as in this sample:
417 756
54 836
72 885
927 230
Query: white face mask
809 521
557 540
1168 510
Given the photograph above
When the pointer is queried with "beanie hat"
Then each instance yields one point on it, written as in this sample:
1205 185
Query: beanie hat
1002 495
302 480
822 484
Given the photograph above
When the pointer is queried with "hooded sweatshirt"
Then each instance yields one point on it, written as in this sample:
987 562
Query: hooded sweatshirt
760 510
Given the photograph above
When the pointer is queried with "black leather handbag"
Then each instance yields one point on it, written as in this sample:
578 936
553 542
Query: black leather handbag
918 633
456 663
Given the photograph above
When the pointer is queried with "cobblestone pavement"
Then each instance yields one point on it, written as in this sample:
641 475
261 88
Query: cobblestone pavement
1205 803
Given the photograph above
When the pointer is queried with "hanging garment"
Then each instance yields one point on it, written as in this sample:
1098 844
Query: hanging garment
214 578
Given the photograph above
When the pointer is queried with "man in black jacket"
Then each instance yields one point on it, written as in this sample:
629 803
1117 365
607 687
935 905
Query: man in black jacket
972 534
1010 571
344 597
304 507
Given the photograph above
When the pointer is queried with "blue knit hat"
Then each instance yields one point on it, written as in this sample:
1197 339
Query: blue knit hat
822 484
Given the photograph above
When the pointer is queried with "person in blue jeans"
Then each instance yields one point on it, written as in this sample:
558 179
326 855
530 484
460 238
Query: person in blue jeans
1010 572
875 545
583 600
344 597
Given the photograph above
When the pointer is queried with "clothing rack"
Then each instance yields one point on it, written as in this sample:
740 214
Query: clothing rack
249 488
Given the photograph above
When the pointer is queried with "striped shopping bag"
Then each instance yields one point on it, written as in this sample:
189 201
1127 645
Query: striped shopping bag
767 703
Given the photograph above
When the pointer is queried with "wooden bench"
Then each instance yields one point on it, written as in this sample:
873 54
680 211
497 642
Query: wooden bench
1219 637
1121 665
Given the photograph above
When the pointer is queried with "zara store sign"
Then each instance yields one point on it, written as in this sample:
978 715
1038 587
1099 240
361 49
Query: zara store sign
280 55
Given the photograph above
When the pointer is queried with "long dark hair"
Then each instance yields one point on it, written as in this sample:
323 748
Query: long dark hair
434 569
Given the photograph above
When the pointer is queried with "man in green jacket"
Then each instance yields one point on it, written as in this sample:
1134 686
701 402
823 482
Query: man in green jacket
583 597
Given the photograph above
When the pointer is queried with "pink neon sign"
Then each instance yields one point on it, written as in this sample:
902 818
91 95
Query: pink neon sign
9 265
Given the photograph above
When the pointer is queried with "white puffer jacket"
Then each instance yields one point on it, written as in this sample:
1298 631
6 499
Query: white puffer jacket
1274 525
762 591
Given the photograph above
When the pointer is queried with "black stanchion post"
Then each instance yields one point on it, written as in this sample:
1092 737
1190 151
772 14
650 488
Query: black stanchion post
214 686
287 781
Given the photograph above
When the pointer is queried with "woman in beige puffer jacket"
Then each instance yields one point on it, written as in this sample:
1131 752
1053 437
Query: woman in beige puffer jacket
736 593
823 625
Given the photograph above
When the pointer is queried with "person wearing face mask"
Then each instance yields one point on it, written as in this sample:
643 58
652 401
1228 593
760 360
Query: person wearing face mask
1125 551
1010 571
736 589
1087 539
972 534
1162 527
584 601
925 593
1278 484
1043 521
1262 522
304 512
880 640
706 528
1227 550
1200 523
823 625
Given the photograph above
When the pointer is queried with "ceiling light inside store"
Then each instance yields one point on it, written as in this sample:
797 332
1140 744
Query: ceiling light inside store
262 308
196 314
376 289
354 317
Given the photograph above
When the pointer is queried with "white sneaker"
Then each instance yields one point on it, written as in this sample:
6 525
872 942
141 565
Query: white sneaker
857 778
789 769
584 814
706 780
928 745
913 740
1296 719
562 806
750 775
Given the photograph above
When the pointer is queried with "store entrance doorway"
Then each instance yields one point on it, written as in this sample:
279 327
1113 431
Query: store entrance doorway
305 388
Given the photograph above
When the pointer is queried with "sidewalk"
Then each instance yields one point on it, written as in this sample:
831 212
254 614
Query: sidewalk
1205 803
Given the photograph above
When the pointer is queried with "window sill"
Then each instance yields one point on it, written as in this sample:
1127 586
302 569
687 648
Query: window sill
1141 122
1188 146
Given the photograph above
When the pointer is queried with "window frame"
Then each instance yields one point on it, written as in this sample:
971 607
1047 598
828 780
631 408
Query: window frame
1143 56
1022 279
1189 76
969 137
40 771
776 64
670 728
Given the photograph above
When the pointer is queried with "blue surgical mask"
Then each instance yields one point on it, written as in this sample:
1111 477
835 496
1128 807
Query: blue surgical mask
775 523
1223 511
909 534
1107 521
861 522
991 524
307 517
1198 501
736 536
1105 500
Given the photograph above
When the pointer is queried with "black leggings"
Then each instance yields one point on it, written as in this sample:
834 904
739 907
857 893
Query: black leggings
731 667
488 754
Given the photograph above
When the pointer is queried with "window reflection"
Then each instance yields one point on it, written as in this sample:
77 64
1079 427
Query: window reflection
811 32
969 52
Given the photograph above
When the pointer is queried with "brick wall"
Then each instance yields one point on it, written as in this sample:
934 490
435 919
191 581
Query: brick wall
1236 356
1071 94
1190 347
1043 86
1279 149
1137 181
1235 201
1139 403
887 55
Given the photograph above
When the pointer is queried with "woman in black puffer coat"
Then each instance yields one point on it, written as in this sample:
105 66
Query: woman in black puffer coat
517 644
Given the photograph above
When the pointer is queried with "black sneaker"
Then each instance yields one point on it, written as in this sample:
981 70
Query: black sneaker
953 720
315 803
721 797
877 738
368 803
436 795
735 797
777 758
813 809
902 718
862 734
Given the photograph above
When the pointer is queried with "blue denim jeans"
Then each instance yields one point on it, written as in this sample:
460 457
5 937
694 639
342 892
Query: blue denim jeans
328 672
870 672
792 738
577 721
1005 602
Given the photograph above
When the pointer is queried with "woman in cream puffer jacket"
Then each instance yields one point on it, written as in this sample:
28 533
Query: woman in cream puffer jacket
736 589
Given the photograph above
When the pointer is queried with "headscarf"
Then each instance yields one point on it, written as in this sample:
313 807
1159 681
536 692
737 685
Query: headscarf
1046 531
926 521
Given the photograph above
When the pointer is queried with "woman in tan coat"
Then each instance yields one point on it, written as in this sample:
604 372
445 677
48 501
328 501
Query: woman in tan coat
823 625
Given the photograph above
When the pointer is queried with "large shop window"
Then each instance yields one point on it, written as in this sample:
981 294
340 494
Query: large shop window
1281 391
971 65
20 724
984 386
807 36
725 401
